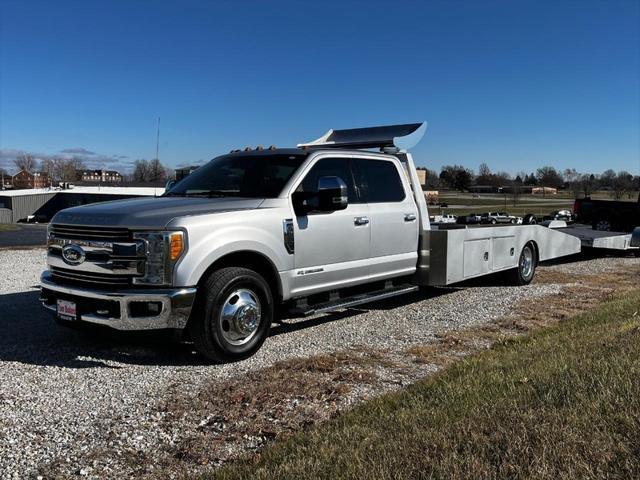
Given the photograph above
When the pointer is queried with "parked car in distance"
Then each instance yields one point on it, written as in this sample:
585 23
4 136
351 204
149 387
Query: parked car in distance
447 218
498 217
608 215
566 215
469 219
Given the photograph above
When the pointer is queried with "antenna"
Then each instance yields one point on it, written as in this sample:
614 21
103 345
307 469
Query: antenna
158 140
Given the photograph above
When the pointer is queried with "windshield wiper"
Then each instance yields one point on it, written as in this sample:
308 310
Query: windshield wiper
213 193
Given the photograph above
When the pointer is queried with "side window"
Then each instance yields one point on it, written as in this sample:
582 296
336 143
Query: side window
329 167
378 181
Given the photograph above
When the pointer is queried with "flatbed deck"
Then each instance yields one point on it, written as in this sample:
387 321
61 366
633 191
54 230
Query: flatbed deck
590 238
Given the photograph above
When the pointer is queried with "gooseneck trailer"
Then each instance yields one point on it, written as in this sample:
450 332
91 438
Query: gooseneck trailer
333 223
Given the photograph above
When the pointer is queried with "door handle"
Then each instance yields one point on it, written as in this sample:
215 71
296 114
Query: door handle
409 217
361 220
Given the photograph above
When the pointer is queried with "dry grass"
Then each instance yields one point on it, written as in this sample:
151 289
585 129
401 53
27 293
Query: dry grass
239 416
563 402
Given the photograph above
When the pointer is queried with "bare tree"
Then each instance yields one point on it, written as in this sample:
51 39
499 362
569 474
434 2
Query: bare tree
156 171
25 162
140 171
47 165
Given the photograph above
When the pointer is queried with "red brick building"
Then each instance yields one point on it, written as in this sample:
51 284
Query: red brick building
24 179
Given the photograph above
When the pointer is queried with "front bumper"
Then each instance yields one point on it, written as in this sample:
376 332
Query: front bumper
114 308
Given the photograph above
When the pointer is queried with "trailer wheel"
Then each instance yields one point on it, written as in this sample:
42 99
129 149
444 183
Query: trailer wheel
233 315
602 225
526 269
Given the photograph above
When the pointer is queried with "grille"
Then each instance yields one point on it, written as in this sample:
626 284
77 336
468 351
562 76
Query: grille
64 275
90 233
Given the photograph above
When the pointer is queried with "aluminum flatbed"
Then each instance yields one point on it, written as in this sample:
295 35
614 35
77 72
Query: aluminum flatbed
590 238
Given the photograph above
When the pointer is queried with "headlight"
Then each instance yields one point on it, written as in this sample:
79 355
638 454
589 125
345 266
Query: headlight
163 250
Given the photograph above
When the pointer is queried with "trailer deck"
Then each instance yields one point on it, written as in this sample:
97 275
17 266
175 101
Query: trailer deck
590 238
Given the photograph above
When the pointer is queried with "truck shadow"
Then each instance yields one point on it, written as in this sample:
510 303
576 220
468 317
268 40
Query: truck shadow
29 334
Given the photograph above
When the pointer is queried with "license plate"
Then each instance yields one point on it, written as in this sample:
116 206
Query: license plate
67 310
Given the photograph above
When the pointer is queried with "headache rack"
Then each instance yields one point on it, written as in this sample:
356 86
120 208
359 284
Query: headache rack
388 138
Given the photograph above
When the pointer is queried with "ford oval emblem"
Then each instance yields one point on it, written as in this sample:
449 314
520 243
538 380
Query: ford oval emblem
73 254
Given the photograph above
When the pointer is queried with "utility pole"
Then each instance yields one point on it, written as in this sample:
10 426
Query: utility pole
158 141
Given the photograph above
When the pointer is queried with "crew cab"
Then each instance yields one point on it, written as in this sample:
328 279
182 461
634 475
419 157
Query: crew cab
324 226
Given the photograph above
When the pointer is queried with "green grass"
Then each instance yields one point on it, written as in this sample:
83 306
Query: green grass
8 227
563 402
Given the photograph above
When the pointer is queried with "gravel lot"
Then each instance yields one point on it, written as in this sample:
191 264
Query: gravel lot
64 393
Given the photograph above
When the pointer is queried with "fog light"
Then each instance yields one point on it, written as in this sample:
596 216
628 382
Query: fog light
145 309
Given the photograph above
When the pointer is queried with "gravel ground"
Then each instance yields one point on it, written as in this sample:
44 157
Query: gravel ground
64 393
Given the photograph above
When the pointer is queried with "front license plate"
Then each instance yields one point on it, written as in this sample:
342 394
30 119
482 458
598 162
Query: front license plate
67 310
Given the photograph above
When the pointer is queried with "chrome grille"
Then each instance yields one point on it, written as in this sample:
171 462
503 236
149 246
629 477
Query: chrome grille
78 232
81 277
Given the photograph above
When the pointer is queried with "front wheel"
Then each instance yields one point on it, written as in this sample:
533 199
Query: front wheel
524 272
233 315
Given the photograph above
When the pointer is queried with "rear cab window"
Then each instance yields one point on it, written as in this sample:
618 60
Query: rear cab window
378 181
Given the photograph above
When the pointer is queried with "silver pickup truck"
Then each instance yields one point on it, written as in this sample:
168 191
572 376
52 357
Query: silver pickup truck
324 226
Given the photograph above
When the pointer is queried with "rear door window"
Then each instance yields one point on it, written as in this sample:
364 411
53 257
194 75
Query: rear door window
378 181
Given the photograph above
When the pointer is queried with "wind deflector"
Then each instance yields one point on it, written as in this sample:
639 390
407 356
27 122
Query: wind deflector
402 137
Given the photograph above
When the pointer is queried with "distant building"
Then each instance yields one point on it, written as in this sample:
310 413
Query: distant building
422 176
105 176
184 172
6 181
544 191
24 179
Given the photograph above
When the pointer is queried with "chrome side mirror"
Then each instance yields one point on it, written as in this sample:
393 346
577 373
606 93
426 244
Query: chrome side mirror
332 194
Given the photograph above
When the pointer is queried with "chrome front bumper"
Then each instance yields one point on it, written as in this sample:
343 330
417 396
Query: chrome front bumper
176 305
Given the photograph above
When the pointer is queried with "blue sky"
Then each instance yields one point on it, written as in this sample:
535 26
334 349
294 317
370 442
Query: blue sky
515 84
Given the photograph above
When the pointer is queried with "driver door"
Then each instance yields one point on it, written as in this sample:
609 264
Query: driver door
331 248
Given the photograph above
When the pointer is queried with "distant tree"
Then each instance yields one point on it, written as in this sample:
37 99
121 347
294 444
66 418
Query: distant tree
47 165
530 179
607 179
518 180
432 181
549 177
485 177
622 183
570 176
140 171
156 171
501 179
25 162
456 177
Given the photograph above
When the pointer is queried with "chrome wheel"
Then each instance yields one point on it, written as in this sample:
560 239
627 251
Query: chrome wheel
526 263
240 316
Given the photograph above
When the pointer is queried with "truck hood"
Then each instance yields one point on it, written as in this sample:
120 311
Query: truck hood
150 212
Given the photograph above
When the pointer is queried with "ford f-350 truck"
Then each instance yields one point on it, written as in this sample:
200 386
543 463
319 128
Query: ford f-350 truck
324 226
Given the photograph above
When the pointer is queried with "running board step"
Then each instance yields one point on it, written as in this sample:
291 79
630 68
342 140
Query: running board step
349 302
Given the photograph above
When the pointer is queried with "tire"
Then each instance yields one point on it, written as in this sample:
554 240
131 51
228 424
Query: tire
529 220
526 269
233 314
493 221
602 225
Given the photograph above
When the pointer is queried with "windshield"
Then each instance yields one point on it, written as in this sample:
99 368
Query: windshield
239 175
